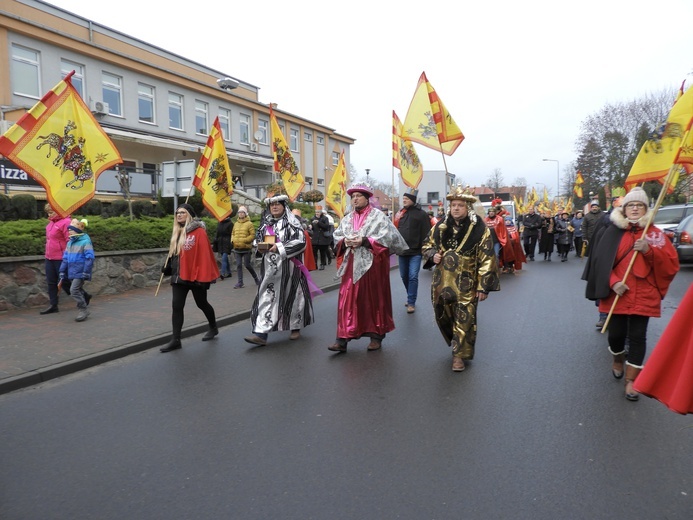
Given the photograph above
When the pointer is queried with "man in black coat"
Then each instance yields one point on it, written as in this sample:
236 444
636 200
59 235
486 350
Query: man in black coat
413 224
531 223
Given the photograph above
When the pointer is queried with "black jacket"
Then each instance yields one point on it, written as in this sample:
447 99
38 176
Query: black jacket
414 225
222 241
532 224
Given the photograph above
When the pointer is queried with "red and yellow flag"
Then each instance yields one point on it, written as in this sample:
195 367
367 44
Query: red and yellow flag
404 157
284 162
669 144
429 123
60 144
213 175
336 191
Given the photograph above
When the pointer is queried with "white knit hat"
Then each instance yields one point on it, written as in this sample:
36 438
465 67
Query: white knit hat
637 194
243 209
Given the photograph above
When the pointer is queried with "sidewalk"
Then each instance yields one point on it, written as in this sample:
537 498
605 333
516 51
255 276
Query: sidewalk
37 348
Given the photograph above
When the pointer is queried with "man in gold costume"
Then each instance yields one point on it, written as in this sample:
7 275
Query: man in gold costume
465 272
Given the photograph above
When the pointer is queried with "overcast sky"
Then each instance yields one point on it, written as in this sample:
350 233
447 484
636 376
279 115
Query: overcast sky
517 77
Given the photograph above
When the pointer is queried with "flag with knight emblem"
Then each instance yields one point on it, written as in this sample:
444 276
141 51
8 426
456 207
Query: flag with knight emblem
336 191
404 156
429 123
61 145
213 175
284 162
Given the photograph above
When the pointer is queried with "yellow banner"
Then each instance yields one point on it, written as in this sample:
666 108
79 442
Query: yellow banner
213 175
404 156
284 162
336 191
60 144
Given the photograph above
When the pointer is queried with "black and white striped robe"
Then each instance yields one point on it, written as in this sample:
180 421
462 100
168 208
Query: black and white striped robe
283 301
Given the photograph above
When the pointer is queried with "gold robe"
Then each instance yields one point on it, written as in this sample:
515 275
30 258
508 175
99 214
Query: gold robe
468 266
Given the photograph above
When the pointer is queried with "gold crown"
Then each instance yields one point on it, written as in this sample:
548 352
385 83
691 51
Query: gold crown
462 193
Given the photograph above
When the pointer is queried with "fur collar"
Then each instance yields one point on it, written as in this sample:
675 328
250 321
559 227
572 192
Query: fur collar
621 222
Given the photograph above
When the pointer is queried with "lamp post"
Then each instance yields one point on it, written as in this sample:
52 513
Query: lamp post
368 172
558 177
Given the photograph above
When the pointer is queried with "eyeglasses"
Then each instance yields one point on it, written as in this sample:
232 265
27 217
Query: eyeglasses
638 205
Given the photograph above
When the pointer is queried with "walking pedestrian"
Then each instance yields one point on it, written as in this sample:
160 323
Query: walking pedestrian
57 236
640 295
283 300
576 223
222 245
192 267
77 265
322 236
365 239
531 224
242 237
563 237
546 238
414 225
465 272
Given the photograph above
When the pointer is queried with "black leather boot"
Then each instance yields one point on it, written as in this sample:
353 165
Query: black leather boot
174 344
213 331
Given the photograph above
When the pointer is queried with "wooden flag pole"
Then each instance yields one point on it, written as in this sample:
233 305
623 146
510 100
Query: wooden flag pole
660 198
158 286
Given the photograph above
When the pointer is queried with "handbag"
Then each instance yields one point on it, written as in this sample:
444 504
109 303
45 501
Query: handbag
327 234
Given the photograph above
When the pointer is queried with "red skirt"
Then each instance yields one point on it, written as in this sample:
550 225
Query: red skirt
668 373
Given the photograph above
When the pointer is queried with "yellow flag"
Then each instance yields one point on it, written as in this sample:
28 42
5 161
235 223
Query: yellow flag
429 123
213 175
60 144
284 162
336 191
404 157
665 146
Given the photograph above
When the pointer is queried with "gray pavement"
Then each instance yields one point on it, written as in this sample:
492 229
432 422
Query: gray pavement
36 348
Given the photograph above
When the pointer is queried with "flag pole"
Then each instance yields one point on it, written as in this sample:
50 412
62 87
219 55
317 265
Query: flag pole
158 286
660 198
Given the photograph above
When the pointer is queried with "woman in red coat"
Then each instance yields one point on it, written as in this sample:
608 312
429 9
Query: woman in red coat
641 293
193 268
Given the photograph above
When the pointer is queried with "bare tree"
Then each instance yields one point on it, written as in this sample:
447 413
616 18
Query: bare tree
520 181
495 180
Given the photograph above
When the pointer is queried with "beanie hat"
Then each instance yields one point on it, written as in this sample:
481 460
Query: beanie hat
242 209
411 194
189 209
637 194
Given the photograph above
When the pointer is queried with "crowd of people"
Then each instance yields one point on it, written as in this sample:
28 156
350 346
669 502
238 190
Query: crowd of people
630 265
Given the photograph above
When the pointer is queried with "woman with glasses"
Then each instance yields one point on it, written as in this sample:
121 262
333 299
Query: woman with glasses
637 297
192 267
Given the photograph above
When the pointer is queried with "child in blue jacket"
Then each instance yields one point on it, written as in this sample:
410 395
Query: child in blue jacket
78 260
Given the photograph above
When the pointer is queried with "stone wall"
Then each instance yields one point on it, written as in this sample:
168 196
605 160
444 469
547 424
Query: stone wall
23 279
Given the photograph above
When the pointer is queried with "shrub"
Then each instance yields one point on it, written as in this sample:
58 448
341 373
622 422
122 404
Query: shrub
93 207
143 208
25 207
118 208
6 210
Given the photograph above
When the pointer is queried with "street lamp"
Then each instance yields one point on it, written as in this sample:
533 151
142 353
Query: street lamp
368 172
558 177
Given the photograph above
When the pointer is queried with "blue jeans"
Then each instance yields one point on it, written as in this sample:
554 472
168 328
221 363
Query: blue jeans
496 250
225 271
409 267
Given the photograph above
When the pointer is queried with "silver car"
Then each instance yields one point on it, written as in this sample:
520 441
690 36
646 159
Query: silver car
683 240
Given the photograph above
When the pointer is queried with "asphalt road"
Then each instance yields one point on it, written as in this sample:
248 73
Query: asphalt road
535 428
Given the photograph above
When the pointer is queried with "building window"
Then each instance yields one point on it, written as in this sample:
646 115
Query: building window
320 140
25 72
225 123
145 102
244 129
293 140
201 121
321 182
262 126
77 79
307 136
432 197
175 111
112 92
335 158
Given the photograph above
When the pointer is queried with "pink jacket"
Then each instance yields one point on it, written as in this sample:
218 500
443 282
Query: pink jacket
56 237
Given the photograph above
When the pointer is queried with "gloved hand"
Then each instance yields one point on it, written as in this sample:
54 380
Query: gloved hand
620 288
641 245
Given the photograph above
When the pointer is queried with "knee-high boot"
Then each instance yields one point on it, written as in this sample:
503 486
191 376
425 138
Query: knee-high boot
617 366
631 373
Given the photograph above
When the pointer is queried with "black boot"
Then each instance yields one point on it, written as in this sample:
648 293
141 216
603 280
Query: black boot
50 310
213 331
174 344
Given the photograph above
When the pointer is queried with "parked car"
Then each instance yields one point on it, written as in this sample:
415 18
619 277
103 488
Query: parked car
683 240
668 217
